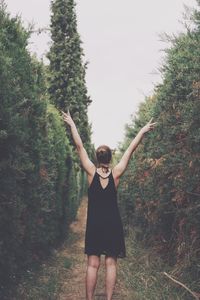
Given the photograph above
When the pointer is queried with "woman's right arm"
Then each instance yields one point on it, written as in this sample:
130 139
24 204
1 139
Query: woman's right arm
88 166
120 168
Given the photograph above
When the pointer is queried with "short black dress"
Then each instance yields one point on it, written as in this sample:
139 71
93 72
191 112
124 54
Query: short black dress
104 230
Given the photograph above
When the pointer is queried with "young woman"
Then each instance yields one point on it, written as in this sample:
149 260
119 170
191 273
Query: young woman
104 231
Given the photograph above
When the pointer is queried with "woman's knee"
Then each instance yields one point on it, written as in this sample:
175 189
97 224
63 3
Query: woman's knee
93 261
110 261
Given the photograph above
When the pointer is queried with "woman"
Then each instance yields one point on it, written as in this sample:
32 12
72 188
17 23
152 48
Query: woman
104 232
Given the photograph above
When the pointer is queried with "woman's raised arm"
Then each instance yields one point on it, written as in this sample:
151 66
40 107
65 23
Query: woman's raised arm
88 166
119 169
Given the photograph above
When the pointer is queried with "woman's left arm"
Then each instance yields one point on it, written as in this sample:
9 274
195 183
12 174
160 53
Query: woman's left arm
88 166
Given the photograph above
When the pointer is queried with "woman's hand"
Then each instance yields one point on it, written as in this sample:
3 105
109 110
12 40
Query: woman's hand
67 118
149 126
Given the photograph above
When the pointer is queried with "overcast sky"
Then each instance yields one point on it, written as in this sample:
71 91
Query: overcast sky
122 44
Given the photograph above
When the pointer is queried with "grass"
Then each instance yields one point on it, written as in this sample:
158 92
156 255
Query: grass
143 273
46 282
140 275
67 263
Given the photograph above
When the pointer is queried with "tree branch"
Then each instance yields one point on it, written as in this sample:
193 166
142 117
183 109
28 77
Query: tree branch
195 295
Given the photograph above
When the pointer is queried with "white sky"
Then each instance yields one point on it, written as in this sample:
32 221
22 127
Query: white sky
122 44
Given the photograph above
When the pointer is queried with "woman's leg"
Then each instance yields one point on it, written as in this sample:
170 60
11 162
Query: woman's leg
111 274
91 275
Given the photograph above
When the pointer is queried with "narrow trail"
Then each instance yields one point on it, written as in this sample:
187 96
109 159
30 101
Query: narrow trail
73 287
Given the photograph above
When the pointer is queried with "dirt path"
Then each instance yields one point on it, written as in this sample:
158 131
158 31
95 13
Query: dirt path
62 275
73 287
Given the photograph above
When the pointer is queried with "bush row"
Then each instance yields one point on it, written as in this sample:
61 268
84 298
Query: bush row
40 182
160 192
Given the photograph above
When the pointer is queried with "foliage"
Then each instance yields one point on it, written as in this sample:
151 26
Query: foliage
41 183
67 86
163 203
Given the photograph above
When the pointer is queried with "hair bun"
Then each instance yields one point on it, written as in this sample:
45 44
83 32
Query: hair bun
103 154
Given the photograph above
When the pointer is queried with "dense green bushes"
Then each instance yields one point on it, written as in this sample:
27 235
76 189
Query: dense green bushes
41 181
161 186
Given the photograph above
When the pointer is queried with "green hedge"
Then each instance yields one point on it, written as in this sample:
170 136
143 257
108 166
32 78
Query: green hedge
40 185
160 193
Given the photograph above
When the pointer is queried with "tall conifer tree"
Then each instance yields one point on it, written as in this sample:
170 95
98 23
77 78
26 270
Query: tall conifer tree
67 87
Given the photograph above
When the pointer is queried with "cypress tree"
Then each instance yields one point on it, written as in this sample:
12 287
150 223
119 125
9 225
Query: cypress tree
67 87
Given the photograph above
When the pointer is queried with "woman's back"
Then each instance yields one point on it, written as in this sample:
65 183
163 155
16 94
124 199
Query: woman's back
104 232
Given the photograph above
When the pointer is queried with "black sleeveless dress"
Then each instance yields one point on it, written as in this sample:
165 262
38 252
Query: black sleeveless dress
104 231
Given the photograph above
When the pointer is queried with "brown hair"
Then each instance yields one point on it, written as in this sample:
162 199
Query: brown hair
103 155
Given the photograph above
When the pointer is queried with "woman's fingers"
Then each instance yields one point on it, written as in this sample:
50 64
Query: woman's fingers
152 125
65 114
67 117
150 120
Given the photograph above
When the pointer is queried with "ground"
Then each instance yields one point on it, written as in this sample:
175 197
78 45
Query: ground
62 275
73 287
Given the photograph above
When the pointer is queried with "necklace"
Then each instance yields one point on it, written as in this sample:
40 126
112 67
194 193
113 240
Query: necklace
104 169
